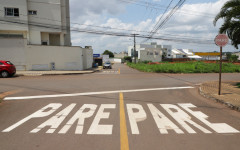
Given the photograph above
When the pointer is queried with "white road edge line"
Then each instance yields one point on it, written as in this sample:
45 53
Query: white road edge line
94 93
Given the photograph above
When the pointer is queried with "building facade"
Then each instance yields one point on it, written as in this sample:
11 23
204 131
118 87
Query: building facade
208 55
35 35
182 53
121 54
45 22
147 52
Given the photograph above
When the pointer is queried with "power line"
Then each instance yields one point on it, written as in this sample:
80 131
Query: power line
169 15
162 15
110 28
162 7
98 32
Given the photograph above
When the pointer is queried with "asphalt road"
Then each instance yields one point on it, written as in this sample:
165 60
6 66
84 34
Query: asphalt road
119 108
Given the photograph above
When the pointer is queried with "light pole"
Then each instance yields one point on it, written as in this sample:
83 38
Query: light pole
134 53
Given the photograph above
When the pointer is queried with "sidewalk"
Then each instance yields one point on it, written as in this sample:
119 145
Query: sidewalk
45 73
230 93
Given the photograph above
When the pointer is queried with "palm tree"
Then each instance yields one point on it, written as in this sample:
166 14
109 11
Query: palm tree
230 12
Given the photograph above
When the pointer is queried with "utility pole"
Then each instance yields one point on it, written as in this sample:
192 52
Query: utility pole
134 53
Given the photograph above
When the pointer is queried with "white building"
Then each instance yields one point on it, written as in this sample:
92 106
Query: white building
182 53
44 22
147 52
35 35
238 54
121 54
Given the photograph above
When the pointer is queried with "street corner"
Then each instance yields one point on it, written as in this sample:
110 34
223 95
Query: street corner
230 93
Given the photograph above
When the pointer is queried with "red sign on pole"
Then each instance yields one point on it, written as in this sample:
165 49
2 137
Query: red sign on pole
221 40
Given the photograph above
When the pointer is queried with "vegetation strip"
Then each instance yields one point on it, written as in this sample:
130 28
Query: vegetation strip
185 67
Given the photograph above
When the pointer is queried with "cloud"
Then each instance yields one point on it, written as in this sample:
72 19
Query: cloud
192 21
83 10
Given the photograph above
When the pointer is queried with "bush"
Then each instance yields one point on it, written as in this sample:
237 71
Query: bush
146 62
238 85
127 58
232 58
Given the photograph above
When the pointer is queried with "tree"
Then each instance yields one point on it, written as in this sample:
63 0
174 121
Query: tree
232 58
230 12
127 58
107 52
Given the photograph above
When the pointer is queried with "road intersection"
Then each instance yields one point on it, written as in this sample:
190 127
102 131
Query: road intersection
130 110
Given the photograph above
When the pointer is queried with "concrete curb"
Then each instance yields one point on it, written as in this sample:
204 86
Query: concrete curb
218 100
64 73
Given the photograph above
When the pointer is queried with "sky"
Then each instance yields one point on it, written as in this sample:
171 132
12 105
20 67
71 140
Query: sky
193 21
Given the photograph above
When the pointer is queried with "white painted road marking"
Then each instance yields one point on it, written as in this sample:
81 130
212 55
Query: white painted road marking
218 127
95 128
135 117
95 93
80 116
163 123
136 113
182 118
55 121
38 114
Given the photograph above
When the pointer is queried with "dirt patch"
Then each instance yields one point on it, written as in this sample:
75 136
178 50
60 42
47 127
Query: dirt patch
230 93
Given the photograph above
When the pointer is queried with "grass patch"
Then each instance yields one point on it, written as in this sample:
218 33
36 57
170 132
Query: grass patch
238 85
187 67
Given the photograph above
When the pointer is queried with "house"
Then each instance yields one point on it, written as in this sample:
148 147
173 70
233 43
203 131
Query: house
121 54
182 53
147 52
35 35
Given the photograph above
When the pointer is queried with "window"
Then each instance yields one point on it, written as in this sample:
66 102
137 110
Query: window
11 36
32 12
44 43
12 12
1 63
8 62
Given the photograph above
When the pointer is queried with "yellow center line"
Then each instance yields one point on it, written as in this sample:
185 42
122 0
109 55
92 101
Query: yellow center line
123 127
119 71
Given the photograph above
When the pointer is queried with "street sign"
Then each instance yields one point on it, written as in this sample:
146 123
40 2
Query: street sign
221 40
96 55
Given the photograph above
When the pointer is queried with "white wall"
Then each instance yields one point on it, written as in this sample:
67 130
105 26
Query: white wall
35 37
13 50
48 14
65 58
87 58
115 60
38 57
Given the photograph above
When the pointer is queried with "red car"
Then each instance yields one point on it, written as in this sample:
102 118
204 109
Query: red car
7 69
